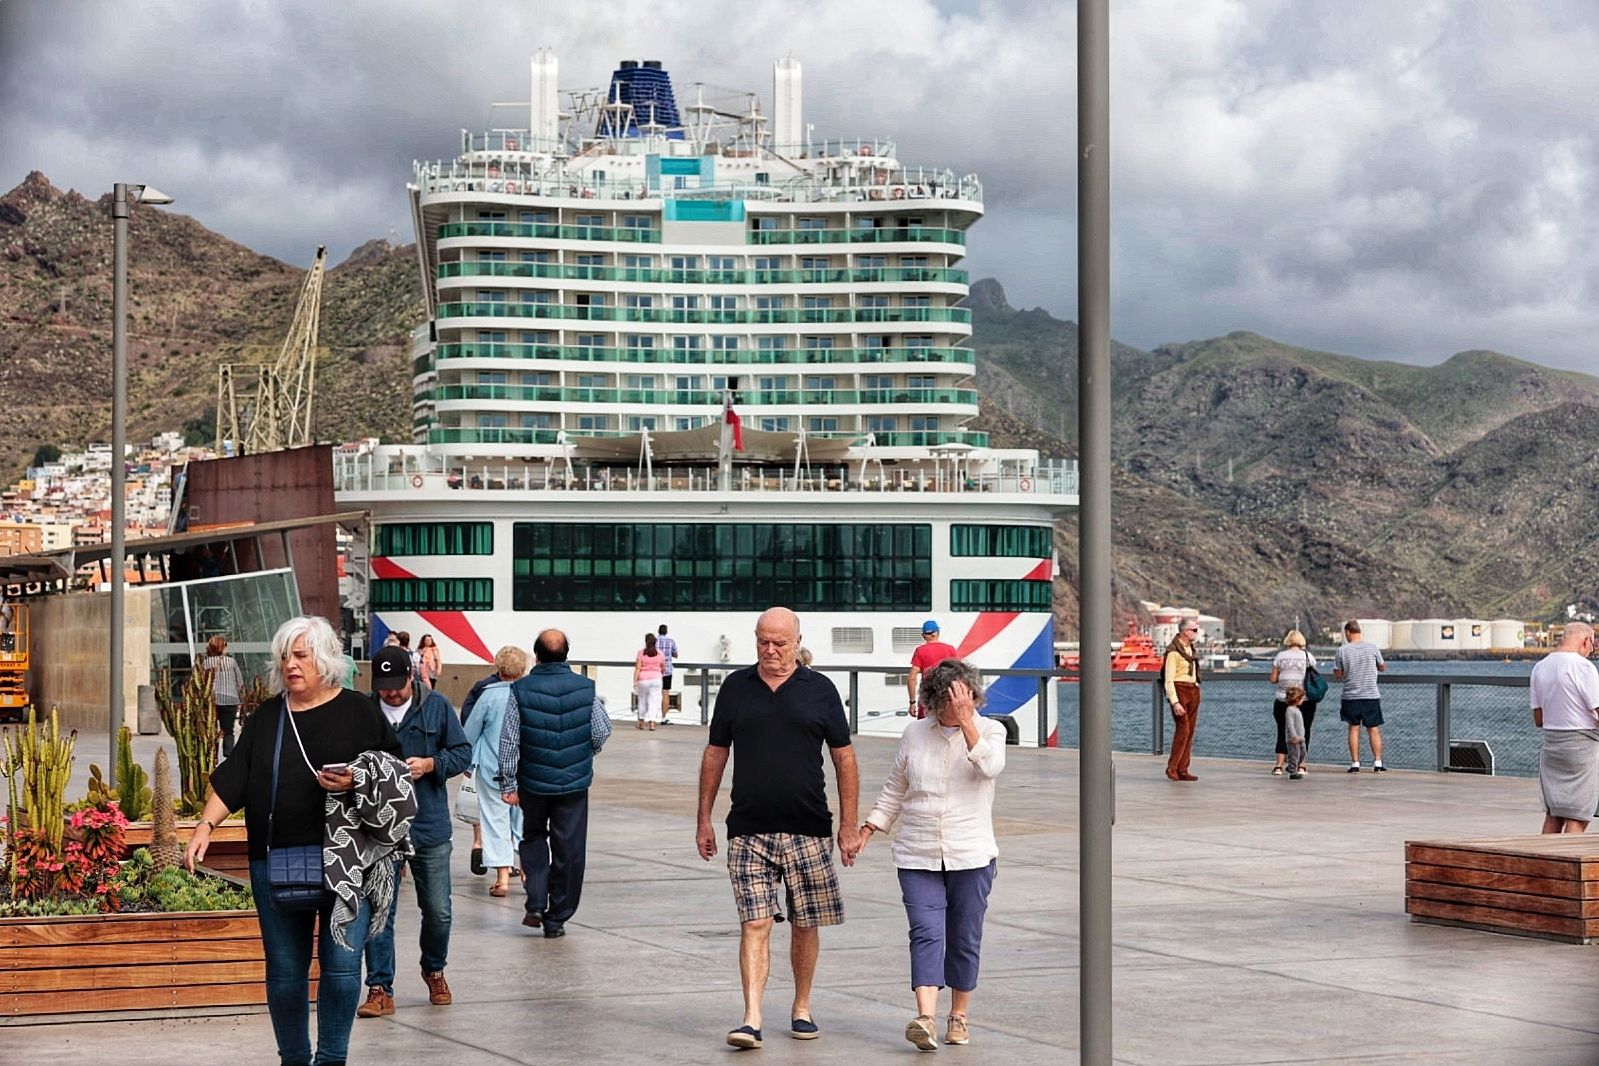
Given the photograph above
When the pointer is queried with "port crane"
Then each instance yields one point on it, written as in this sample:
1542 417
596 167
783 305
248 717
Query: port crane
266 407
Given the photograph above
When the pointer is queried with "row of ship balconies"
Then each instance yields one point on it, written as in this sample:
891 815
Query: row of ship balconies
755 316
515 437
831 275
747 398
651 234
664 356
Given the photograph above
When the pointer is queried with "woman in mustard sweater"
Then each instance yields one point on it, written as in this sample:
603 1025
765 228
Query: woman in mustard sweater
1181 671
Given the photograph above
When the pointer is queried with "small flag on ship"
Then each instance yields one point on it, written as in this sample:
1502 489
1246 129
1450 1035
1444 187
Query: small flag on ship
730 416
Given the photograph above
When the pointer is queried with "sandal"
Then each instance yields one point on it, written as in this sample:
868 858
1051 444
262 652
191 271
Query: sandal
499 891
1276 771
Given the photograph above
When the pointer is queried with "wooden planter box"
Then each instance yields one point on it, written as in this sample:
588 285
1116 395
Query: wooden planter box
228 853
121 962
1538 886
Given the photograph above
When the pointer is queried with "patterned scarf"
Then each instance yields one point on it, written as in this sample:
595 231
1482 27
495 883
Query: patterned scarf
367 827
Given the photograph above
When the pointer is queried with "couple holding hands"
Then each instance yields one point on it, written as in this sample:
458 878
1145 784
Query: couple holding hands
940 790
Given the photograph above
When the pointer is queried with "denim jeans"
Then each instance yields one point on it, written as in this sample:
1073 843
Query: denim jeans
430 873
286 942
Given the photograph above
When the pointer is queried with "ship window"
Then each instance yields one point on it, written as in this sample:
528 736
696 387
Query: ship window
852 640
433 594
905 639
967 594
994 541
704 566
435 538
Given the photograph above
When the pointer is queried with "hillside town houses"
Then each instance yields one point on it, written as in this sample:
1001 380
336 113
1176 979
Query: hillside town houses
67 502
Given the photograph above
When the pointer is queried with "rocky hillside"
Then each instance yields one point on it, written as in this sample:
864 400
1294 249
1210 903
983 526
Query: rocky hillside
196 300
1261 481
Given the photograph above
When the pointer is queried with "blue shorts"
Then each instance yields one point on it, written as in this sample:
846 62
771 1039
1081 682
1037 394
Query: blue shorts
1361 712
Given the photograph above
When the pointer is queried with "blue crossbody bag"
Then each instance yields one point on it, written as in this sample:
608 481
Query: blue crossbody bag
294 871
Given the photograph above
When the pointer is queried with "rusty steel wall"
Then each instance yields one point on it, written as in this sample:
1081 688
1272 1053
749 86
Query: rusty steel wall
270 487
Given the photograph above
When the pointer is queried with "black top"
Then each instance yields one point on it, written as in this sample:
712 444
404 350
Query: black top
778 785
336 731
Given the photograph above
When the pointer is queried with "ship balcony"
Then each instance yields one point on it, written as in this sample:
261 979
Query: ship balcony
871 316
549 231
491 350
877 235
636 275
450 397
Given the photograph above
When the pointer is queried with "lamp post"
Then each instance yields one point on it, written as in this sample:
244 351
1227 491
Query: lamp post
123 197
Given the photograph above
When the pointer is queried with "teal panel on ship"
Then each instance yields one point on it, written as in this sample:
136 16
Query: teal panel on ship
704 210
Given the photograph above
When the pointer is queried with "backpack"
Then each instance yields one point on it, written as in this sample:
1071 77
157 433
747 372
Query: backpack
1315 685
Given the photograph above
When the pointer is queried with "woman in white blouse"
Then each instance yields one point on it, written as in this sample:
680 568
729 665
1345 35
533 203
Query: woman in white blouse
1288 671
942 791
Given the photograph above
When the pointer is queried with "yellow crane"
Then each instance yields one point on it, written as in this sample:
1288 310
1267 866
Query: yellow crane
266 407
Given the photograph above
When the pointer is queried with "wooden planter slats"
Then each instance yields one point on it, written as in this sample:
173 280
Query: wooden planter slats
1540 886
117 962
228 852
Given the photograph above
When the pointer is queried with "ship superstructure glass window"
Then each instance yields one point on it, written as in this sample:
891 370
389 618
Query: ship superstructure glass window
435 538
966 594
1025 542
433 594
611 566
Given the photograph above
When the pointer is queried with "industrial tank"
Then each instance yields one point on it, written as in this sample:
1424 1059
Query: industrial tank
1506 633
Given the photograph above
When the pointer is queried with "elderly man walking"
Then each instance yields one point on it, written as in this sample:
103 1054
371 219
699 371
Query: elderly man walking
777 714
1565 705
553 726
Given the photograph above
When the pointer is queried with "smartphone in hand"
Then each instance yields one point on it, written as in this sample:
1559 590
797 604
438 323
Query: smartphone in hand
335 767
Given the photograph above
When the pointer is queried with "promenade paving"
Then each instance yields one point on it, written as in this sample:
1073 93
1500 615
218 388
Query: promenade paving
1257 920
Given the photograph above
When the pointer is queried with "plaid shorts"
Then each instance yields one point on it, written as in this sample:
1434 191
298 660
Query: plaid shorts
756 863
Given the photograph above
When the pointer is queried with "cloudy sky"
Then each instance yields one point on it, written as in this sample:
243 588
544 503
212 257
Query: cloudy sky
1393 180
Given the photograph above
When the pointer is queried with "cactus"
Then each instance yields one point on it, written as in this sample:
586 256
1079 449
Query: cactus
191 719
254 693
43 759
99 790
164 833
133 785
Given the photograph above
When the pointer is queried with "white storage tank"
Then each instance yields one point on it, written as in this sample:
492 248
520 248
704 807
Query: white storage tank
1378 631
1164 630
1435 634
1212 630
1472 633
1402 635
1506 633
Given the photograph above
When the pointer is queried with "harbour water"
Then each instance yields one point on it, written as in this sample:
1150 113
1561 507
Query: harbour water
1487 701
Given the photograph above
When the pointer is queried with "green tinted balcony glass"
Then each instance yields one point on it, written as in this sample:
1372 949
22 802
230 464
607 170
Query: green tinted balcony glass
748 398
702 316
826 276
884 235
550 231
705 357
928 438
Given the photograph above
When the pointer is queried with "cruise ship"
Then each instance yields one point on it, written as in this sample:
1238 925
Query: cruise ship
681 363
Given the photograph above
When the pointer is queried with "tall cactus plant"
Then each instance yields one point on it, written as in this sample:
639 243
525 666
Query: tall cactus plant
164 832
191 718
42 758
133 785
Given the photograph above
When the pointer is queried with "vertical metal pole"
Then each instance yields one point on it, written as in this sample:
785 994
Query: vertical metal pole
705 695
1097 784
1441 728
854 701
116 711
1043 710
1157 719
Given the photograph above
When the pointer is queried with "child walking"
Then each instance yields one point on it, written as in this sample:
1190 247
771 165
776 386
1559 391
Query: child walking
1294 731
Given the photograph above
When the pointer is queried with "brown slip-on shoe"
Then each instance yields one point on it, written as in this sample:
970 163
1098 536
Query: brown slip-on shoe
378 1003
438 990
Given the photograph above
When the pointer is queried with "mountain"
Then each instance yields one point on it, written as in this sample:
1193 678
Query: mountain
1263 481
196 300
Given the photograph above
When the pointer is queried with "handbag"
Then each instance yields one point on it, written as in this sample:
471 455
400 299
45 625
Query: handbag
466 809
1315 685
294 871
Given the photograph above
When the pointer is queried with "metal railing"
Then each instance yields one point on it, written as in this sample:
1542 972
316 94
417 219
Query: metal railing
691 359
694 276
757 316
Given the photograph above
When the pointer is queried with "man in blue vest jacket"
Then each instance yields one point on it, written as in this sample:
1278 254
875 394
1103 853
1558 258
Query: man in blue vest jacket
435 749
546 765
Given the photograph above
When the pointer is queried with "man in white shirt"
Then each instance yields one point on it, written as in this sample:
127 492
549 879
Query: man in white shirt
1565 705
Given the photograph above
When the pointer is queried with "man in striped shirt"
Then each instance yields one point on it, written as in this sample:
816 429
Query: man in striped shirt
1357 664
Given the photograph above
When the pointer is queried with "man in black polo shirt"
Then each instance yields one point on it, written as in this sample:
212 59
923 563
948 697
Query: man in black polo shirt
779 830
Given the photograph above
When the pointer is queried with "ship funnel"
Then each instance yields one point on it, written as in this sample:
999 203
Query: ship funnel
787 131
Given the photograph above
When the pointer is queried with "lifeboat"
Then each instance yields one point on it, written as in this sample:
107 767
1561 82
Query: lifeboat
1137 654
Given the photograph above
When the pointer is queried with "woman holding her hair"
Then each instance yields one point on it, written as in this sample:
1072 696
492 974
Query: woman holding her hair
311 721
941 790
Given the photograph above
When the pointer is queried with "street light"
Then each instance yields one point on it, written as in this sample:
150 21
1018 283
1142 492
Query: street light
123 196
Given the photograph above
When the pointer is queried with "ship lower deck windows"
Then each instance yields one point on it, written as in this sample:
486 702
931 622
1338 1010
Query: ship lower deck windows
1025 542
433 594
434 538
704 566
967 594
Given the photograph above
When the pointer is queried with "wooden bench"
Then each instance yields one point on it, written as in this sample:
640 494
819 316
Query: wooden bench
1539 886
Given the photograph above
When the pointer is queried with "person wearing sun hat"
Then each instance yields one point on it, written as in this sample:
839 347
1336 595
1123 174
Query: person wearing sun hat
927 655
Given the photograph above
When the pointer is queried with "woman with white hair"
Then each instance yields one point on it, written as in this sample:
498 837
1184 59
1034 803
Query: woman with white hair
294 750
1288 671
941 790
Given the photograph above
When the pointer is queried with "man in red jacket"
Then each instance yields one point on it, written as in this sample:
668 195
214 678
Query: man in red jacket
931 652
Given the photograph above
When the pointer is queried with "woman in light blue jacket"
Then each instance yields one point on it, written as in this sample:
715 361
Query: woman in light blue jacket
501 823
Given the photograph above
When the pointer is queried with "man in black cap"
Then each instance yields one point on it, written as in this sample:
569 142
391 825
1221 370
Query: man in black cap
435 749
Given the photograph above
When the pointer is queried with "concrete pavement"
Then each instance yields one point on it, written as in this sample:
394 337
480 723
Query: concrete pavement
1257 921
